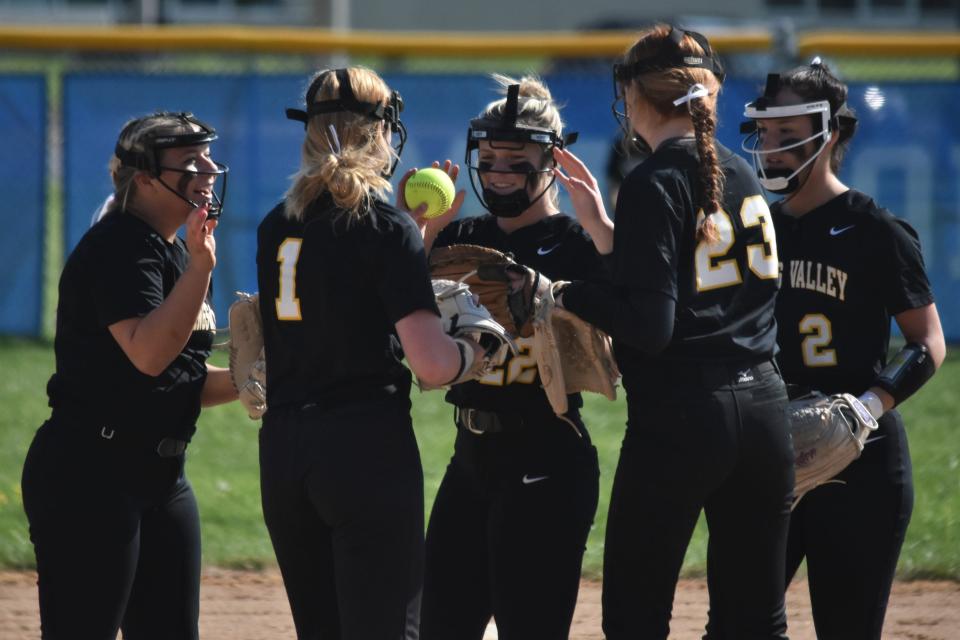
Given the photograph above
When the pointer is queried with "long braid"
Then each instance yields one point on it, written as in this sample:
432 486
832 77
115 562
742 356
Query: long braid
711 175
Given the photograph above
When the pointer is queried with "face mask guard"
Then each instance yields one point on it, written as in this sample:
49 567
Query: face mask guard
784 181
388 113
753 143
505 133
149 159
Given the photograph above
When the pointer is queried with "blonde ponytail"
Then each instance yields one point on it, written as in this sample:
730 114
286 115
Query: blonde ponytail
344 153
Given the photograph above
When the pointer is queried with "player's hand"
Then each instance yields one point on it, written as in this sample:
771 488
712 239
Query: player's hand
585 197
429 229
416 214
200 241
581 185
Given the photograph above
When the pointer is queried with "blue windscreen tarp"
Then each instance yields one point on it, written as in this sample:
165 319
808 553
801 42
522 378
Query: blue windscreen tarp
23 109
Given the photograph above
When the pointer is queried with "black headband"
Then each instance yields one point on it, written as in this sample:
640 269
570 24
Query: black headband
347 101
153 142
672 56
506 129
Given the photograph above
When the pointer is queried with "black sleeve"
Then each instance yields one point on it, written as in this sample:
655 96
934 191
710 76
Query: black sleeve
589 264
646 243
404 284
638 309
128 281
608 264
906 283
642 319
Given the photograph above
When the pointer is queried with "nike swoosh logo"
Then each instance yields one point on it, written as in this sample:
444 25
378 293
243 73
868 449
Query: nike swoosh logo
835 232
529 480
542 252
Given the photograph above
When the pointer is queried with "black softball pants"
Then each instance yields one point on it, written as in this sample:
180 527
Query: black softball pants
851 535
342 495
508 531
700 437
116 534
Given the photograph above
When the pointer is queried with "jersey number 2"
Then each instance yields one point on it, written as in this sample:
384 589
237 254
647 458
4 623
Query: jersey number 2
288 304
819 333
726 273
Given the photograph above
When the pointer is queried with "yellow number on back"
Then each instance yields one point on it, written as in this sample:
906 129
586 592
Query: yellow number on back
726 273
288 304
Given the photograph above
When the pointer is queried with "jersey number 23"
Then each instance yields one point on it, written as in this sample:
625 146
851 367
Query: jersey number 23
716 269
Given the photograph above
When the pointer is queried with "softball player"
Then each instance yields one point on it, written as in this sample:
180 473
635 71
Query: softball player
113 518
509 525
694 262
848 267
343 285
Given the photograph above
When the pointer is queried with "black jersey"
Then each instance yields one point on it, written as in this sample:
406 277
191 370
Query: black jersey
331 290
556 246
847 266
122 269
724 291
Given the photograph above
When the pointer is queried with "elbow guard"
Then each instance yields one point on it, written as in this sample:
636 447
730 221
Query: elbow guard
906 372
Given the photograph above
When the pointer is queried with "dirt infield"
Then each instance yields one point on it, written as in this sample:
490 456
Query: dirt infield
240 605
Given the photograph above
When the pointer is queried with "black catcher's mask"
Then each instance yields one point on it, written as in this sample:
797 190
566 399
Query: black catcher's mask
155 142
505 133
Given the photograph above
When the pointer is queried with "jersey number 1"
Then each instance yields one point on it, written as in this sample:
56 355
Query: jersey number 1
288 304
726 273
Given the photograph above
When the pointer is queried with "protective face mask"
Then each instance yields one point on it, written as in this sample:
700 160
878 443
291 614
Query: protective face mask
783 181
507 205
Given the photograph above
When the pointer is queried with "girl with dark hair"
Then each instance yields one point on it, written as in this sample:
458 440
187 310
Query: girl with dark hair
113 518
849 266
694 263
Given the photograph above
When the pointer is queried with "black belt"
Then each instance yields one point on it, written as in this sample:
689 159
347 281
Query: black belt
166 447
335 400
481 422
707 374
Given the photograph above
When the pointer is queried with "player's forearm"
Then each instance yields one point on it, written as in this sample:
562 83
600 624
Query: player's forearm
601 232
161 335
218 387
432 355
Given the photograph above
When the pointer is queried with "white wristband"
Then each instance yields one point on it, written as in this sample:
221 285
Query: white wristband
873 404
467 357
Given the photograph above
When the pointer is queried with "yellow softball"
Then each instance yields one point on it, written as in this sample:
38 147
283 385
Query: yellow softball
432 186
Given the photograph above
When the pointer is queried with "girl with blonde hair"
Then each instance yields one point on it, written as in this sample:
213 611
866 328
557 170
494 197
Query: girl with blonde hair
113 518
509 525
345 296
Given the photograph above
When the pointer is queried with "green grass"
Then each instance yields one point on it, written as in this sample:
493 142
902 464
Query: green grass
223 468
